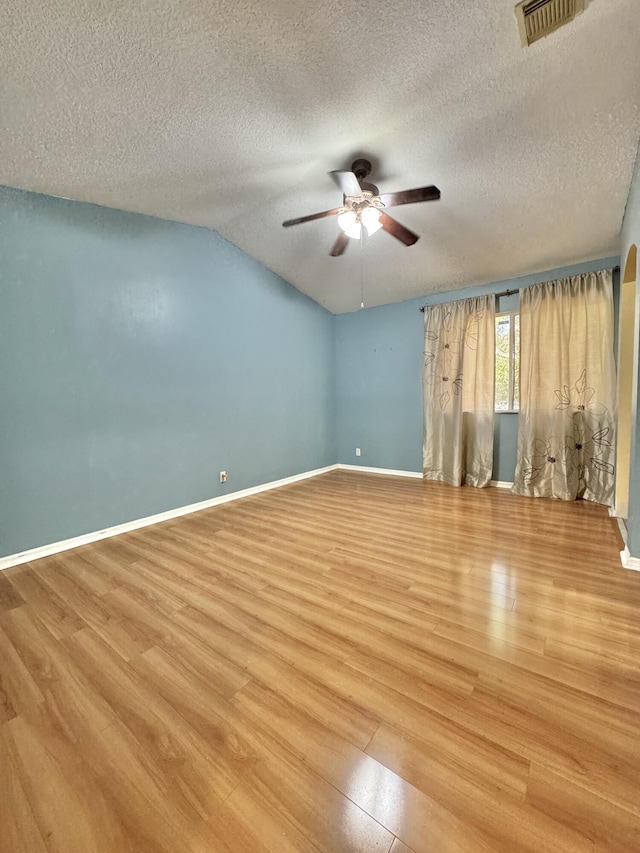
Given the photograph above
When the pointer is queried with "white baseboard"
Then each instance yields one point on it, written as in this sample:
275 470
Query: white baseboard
622 527
390 471
628 561
497 484
87 538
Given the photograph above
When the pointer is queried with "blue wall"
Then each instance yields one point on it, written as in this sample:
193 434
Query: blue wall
138 358
630 237
379 379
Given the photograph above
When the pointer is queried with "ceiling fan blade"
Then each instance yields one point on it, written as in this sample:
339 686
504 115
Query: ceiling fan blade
310 218
340 245
348 183
410 196
393 227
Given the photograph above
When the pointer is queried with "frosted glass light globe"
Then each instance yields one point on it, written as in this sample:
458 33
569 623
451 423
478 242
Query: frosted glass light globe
350 224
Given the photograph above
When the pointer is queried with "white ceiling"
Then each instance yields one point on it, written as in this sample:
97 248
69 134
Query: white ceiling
229 114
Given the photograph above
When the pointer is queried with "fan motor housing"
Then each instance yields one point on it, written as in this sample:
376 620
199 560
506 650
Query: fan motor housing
371 188
361 168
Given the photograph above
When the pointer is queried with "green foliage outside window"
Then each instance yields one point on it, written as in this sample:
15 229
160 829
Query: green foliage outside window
507 362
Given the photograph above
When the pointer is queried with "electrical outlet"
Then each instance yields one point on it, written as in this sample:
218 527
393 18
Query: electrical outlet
223 476
357 451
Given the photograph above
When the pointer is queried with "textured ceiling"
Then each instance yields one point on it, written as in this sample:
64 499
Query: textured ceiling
229 114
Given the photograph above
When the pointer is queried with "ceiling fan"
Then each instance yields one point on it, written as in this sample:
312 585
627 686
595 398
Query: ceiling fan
364 205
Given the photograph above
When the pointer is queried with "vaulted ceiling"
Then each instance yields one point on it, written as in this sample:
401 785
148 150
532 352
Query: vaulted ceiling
230 113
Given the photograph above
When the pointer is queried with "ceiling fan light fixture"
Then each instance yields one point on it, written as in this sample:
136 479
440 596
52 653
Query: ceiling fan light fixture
350 224
364 205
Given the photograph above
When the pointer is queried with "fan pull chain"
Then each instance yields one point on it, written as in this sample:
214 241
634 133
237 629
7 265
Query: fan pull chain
362 239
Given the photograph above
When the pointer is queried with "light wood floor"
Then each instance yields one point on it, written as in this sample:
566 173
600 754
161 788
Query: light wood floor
352 663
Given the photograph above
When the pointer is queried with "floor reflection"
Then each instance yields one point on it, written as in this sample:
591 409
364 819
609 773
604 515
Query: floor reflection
377 790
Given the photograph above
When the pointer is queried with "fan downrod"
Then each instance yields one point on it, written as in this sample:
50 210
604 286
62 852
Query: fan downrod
361 168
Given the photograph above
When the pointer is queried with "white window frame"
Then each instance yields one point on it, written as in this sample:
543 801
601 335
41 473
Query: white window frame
512 358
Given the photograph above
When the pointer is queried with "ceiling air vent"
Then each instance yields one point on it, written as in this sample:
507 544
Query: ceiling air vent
538 18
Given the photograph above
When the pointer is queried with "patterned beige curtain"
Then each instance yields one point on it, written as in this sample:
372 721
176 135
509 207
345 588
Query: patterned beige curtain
458 385
567 390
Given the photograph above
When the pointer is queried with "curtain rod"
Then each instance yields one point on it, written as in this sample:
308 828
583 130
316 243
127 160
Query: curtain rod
511 292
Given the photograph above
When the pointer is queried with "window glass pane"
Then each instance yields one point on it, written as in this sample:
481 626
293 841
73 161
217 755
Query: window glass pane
516 361
502 363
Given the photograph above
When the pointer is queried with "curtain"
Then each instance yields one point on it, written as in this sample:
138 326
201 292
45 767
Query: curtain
567 390
458 386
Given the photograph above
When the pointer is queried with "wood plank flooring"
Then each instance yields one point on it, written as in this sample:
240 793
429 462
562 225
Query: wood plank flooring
351 663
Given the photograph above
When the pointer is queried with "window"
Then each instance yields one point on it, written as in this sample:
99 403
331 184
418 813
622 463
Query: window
508 362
